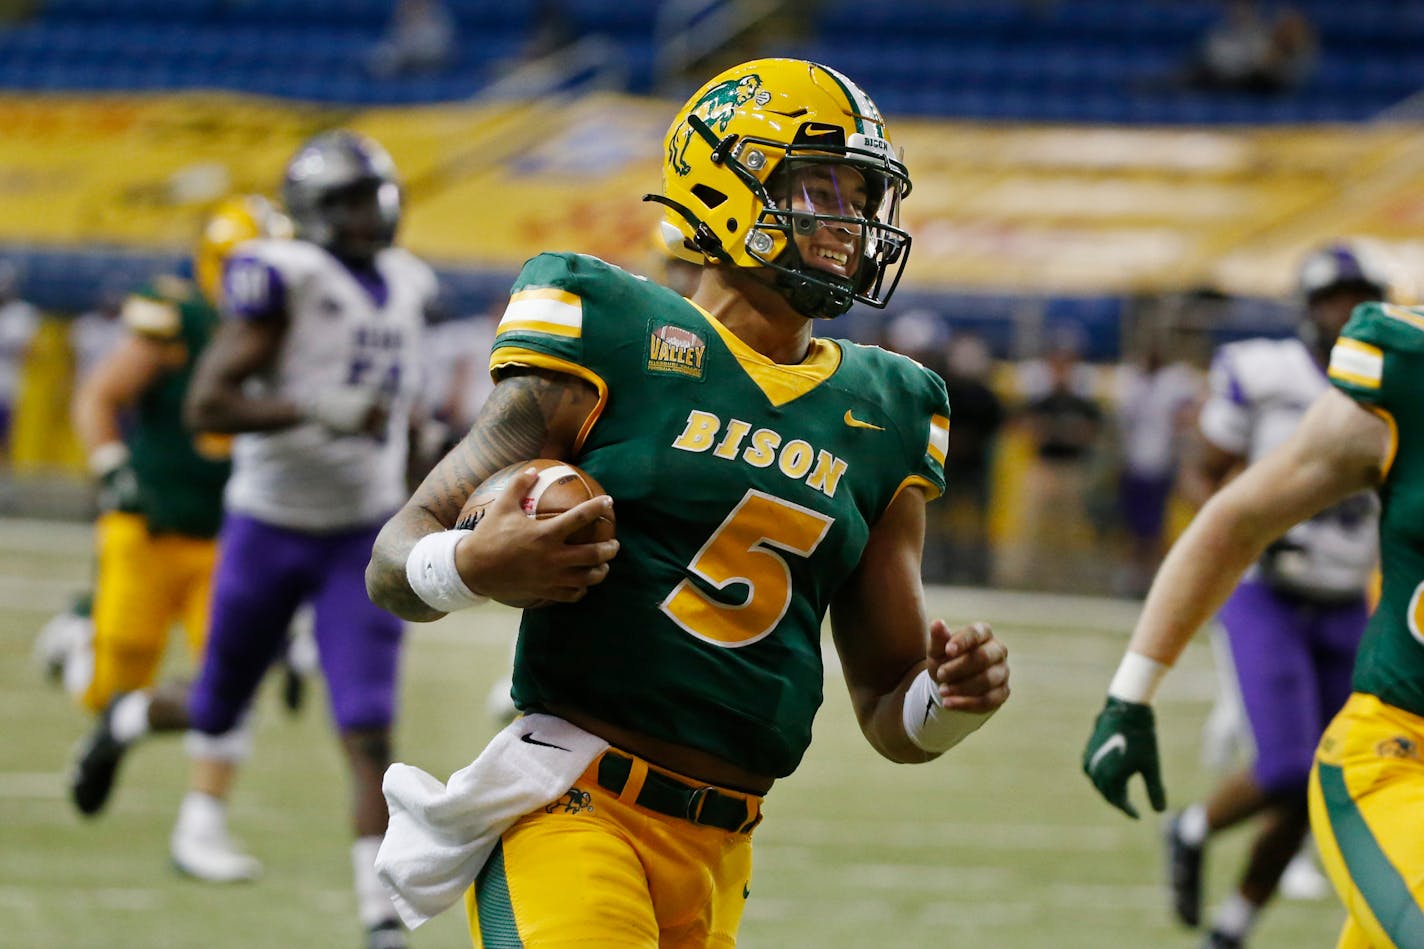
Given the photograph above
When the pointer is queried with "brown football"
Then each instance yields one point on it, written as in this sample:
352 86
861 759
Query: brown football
559 487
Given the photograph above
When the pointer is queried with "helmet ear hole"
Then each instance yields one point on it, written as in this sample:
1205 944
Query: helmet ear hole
710 197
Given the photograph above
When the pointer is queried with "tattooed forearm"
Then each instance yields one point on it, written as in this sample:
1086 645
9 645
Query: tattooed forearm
531 414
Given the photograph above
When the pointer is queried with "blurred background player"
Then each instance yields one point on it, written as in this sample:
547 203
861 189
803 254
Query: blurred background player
160 501
1157 399
93 334
1064 423
1367 777
151 328
316 369
1295 621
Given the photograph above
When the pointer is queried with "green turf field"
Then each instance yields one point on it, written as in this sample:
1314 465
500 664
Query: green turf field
1000 844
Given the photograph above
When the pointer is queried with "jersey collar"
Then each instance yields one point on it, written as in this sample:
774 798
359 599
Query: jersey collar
781 383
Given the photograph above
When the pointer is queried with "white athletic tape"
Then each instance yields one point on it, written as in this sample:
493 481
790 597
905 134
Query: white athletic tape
1137 678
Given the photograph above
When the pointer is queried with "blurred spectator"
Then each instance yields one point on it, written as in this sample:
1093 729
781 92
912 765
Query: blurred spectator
920 334
420 40
1248 52
1063 424
551 32
1155 405
19 321
93 333
976 415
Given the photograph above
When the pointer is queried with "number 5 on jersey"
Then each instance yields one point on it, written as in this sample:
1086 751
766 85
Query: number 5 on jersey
744 549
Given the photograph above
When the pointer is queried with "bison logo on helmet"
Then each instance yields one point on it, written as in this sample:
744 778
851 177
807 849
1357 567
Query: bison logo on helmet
716 109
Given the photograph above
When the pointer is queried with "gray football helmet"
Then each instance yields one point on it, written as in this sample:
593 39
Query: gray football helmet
1343 264
341 192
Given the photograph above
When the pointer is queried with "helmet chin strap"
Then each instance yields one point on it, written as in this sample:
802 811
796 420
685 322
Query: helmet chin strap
812 299
821 298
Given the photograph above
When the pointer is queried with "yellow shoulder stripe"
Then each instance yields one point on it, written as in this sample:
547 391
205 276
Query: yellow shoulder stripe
1357 363
547 310
939 438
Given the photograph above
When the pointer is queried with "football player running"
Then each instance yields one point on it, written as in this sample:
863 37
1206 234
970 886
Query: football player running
1366 783
763 477
315 371
1294 623
160 499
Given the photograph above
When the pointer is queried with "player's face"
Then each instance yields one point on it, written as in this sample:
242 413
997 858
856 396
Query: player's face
1331 311
356 214
835 190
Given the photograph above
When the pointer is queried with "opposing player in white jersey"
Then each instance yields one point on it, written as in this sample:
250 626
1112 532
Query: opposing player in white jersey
1294 623
314 370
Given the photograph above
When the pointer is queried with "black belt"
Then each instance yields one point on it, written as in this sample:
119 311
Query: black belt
667 795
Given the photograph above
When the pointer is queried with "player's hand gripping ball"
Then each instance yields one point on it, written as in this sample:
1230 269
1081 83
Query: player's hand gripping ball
559 486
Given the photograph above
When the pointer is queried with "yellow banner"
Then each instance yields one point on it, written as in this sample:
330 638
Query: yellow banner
1003 208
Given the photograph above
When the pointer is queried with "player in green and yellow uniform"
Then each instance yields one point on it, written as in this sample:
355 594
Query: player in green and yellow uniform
1367 788
763 478
1367 784
160 485
160 496
708 446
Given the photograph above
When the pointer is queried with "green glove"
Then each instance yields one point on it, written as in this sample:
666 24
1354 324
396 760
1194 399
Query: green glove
1124 743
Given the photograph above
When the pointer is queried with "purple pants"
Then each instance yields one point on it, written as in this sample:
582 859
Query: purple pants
1144 503
263 574
1293 662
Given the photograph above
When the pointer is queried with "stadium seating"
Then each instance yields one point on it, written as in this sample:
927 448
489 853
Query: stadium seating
1053 61
1064 61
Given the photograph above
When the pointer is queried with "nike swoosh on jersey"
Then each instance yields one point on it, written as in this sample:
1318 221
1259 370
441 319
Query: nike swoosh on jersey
1115 743
529 739
854 422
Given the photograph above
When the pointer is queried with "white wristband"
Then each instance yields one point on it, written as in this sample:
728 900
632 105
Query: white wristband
430 570
1137 678
930 725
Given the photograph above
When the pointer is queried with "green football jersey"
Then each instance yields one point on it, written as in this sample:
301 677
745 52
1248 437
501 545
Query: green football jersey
1379 362
180 476
744 492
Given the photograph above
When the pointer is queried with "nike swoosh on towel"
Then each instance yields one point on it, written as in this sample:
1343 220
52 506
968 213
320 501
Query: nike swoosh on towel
529 739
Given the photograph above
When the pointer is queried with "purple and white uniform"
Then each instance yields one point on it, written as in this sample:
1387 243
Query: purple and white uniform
1294 623
304 504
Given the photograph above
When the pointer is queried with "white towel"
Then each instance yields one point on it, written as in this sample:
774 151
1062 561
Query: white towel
440 835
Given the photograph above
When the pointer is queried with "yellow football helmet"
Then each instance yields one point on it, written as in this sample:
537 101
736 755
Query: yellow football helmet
727 167
233 220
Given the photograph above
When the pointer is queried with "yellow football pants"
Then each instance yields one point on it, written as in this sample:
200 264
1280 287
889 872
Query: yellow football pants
1367 812
596 870
143 585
